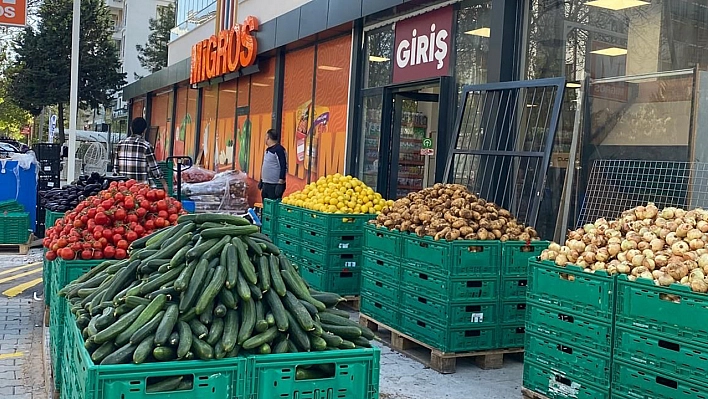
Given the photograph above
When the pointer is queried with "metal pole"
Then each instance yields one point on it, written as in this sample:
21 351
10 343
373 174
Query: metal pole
74 91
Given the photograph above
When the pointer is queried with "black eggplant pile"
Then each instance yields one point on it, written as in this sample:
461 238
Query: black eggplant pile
68 197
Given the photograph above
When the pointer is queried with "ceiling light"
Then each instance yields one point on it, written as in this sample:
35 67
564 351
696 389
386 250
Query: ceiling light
259 84
572 85
531 105
611 51
616 5
329 68
483 32
376 58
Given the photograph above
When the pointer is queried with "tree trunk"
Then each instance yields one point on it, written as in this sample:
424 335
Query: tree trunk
60 123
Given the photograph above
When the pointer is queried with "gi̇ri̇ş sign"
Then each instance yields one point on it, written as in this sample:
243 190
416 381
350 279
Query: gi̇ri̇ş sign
423 46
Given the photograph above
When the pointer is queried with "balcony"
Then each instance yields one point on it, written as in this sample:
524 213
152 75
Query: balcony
117 4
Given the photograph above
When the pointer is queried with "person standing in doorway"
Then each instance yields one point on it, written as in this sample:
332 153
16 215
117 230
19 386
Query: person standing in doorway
135 157
275 168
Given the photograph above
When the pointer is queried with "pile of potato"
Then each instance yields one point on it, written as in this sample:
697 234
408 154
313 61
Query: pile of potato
450 212
668 246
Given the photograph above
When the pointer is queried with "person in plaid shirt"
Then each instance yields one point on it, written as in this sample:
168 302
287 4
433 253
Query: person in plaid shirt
135 158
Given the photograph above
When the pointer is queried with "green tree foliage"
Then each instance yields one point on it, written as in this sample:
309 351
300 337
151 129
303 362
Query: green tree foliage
153 55
40 75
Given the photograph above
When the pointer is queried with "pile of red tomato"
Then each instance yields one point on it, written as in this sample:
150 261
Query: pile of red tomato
103 226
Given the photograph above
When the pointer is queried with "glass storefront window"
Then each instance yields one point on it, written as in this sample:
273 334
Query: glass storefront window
472 43
207 130
379 53
260 119
225 133
371 124
161 124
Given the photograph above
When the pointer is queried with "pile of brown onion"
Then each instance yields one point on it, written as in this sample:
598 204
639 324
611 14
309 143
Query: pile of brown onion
668 246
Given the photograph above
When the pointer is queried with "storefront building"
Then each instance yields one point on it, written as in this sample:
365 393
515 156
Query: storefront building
372 87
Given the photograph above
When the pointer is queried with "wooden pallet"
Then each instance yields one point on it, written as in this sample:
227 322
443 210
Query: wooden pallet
15 249
529 394
442 362
352 302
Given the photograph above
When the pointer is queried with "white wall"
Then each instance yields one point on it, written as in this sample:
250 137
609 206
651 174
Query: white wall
181 48
136 31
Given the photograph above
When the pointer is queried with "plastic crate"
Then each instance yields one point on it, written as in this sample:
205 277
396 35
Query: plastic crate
673 311
11 206
353 374
458 258
390 267
289 245
226 378
514 288
511 336
516 254
382 241
555 384
646 383
290 228
333 241
513 312
667 355
50 218
381 309
47 279
379 285
271 208
446 339
168 174
571 288
14 228
290 212
569 358
343 282
562 325
446 288
335 223
448 314
334 259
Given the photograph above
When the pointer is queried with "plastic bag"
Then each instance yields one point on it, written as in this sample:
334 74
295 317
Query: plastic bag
227 191
195 174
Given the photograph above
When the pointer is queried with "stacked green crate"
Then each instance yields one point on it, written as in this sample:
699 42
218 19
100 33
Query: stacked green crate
512 295
269 218
569 331
660 341
14 228
381 275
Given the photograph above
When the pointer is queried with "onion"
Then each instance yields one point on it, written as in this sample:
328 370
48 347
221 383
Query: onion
554 247
702 226
694 234
666 280
623 268
561 260
632 278
628 244
602 255
599 266
639 212
588 256
660 222
613 249
622 256
651 211
647 275
672 238
668 213
649 264
679 248
679 213
638 260
661 260
699 286
703 261
696 244
656 244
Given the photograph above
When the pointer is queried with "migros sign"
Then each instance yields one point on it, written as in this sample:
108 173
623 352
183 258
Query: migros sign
226 52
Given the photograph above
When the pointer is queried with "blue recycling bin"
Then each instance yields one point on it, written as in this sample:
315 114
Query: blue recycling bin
21 185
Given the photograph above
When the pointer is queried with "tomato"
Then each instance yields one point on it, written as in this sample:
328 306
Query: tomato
98 255
150 225
66 254
145 204
80 207
50 255
46 241
78 224
131 236
107 233
122 244
141 212
130 183
161 222
129 203
101 218
121 254
108 203
119 197
87 245
91 213
119 230
76 247
160 194
96 202
86 254
143 191
150 195
132 218
163 214
97 234
113 184
98 245
120 214
173 218
62 243
139 230
116 238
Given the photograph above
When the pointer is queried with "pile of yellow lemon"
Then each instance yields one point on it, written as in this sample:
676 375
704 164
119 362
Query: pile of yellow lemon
338 194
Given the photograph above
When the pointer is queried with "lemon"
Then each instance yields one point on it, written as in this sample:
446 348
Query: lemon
337 193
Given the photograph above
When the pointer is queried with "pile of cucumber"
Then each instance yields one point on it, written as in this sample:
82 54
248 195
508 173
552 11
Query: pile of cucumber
210 287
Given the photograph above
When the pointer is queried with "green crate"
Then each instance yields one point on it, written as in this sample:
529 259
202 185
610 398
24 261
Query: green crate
290 228
380 309
379 285
352 241
560 324
448 314
271 208
446 339
14 228
335 223
269 226
11 206
513 312
290 212
50 218
383 242
569 358
343 282
639 382
571 288
390 267
47 279
673 311
516 254
511 336
355 375
458 258
226 378
687 361
514 288
554 384
289 245
332 260
168 173
454 289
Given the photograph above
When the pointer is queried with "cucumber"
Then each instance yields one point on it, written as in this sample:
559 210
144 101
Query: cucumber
260 339
270 319
143 254
233 231
182 281
329 299
164 353
174 339
262 237
333 341
134 301
123 322
219 351
264 273
362 341
195 283
248 322
311 309
347 345
120 297
214 251
252 246
276 279
281 347
265 349
297 335
187 316
106 319
170 292
229 259
121 310
122 355
245 265
308 374
255 292
167 385
211 290
102 351
227 298
317 343
346 332
220 218
180 257
261 326
144 349
97 270
270 247
318 331
185 339
135 291
122 279
298 311
201 349
146 315
335 320
206 317
278 310
215 331
230 334
220 310
169 251
161 281
157 240
337 312
167 324
242 289
148 329
199 250
199 330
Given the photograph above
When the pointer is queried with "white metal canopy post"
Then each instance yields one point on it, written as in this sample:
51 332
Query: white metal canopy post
74 91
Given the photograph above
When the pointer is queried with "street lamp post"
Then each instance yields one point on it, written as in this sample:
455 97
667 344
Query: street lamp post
74 90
